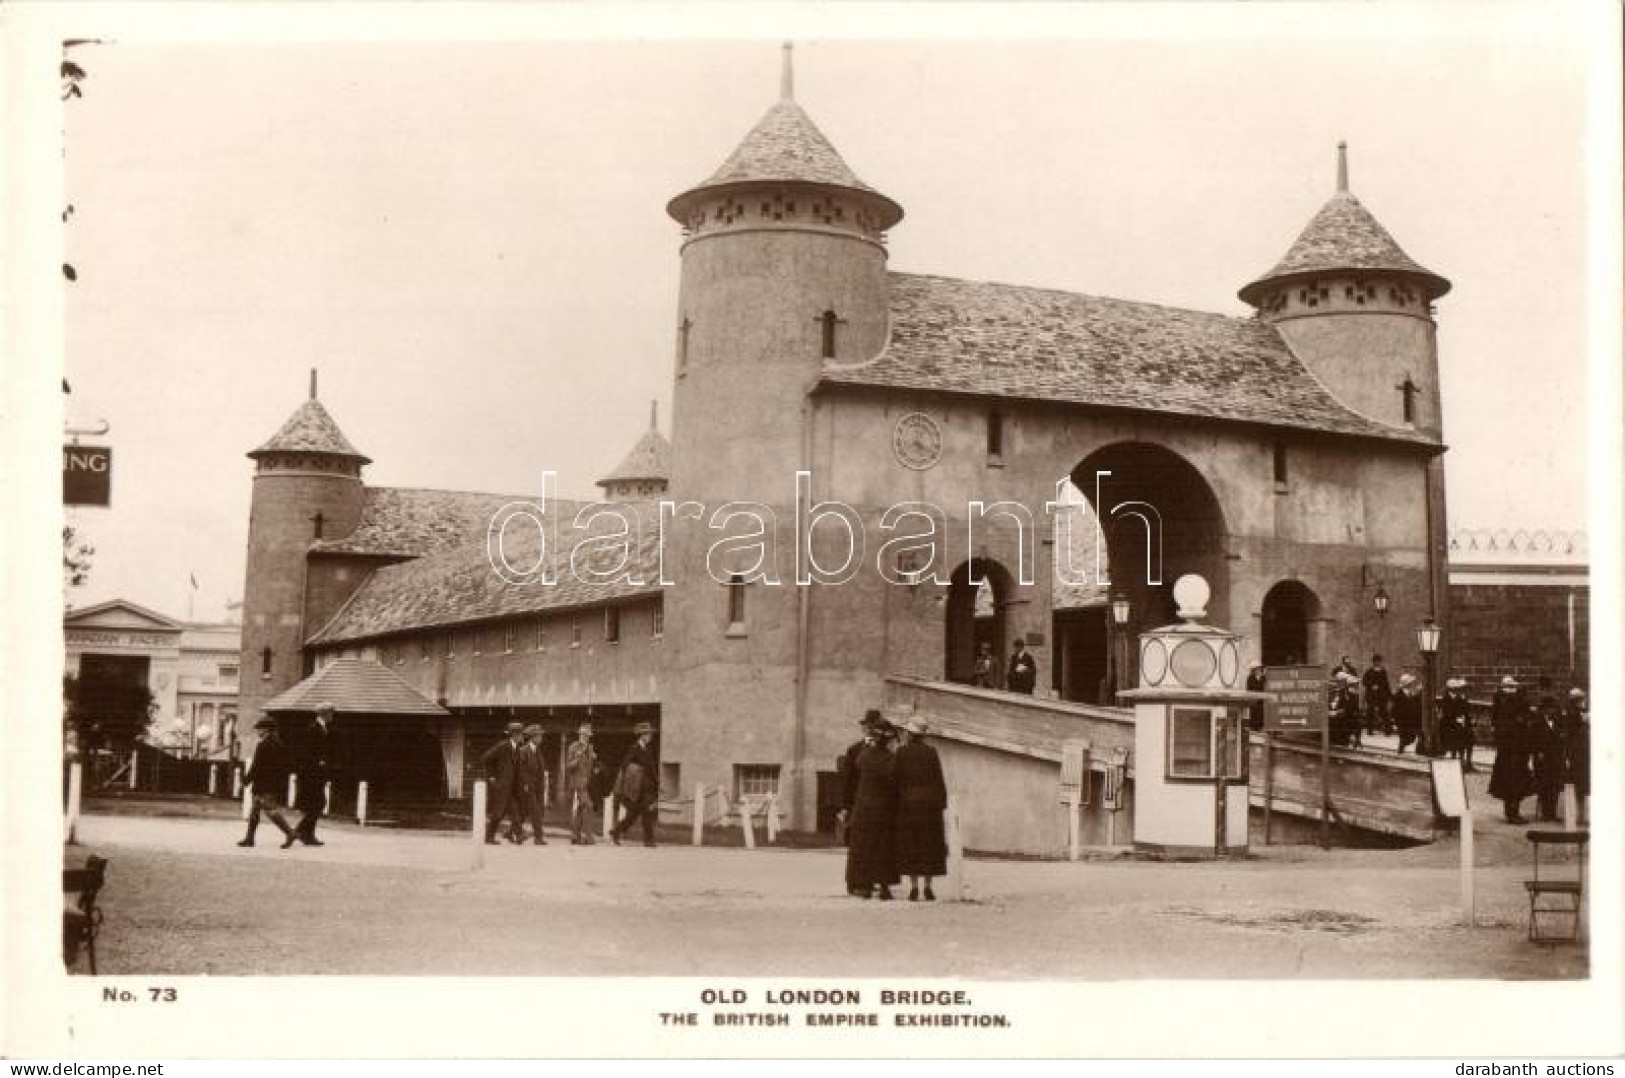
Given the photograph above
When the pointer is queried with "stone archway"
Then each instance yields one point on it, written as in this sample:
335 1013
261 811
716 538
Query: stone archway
1289 617
975 615
1161 519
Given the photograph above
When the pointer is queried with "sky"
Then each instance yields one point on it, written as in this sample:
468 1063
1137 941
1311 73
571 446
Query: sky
469 239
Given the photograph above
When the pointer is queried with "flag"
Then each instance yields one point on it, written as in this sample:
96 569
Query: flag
194 581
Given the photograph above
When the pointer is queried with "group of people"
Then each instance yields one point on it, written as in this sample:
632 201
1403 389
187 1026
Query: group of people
1020 674
1541 744
516 777
267 779
893 803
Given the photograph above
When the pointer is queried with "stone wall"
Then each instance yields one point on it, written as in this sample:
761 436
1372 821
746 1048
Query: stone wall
1522 629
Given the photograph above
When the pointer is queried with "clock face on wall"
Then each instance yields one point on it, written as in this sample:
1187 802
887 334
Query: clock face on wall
917 441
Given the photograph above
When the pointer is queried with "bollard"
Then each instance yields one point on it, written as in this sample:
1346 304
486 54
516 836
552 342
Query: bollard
1571 810
75 787
327 799
361 803
956 860
293 790
745 826
773 818
699 813
477 826
248 803
609 815
1073 827
1468 914
214 779
236 780
135 763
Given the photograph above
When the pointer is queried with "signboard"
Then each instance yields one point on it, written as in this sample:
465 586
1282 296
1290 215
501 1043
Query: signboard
1449 787
1297 699
87 475
1074 772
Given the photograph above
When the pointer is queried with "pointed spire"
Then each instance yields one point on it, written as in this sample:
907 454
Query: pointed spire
1342 167
313 383
787 75
654 415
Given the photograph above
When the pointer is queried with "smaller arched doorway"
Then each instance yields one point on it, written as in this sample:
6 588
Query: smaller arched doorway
975 618
1291 617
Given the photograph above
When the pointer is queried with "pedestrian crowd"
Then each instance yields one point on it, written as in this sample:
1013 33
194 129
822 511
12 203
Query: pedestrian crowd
1541 744
516 778
893 801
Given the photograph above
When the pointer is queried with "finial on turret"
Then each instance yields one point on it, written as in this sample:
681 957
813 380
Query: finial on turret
787 75
1342 167
313 383
654 415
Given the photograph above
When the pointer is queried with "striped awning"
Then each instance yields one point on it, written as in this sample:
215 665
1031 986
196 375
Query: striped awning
356 687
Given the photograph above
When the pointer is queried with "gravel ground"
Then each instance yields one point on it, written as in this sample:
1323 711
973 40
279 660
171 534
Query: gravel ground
182 899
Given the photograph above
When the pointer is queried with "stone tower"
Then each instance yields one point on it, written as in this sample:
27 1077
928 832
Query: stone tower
783 270
307 486
1358 311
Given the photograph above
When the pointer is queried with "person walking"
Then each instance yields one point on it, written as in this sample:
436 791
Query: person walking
848 766
501 765
532 772
1344 712
313 770
1407 710
1378 694
922 796
1546 750
637 787
1455 732
1023 672
871 856
1577 746
580 769
267 782
1510 719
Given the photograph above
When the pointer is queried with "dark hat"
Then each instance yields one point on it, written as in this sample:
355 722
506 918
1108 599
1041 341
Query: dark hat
872 717
267 723
643 728
514 728
1376 658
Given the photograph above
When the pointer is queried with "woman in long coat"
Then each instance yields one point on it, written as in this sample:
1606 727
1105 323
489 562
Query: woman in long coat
871 861
1510 779
922 795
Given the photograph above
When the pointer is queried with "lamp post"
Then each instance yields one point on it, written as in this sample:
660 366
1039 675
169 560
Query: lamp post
1380 601
1120 614
1427 642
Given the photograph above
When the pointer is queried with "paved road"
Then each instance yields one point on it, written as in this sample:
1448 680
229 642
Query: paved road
182 898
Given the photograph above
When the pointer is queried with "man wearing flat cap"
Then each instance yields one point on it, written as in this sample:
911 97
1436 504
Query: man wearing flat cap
267 782
533 781
580 768
313 776
637 787
501 764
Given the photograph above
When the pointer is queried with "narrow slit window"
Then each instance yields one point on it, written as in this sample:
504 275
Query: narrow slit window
736 599
827 327
265 662
612 624
995 435
682 343
1278 464
575 630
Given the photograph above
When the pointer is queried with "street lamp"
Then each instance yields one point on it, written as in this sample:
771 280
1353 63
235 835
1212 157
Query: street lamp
1120 614
1427 642
1380 601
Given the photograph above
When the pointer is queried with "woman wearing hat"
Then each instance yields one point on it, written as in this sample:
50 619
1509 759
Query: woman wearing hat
1510 780
871 865
922 795
1407 709
1456 724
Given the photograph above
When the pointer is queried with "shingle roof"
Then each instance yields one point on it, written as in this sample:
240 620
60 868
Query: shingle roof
310 430
411 522
460 585
1344 236
357 687
649 459
1035 344
786 146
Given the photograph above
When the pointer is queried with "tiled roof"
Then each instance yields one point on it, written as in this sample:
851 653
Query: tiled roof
786 146
356 687
1344 236
1036 344
410 522
460 585
649 459
310 430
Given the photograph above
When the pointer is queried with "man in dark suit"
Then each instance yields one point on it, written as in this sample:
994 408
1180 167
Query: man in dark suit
501 763
267 781
313 774
1023 673
637 787
533 780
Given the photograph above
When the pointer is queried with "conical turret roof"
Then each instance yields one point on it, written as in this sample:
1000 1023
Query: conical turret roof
310 430
786 146
649 459
1344 236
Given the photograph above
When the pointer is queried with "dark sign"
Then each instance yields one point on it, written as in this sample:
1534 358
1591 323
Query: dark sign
1297 702
87 475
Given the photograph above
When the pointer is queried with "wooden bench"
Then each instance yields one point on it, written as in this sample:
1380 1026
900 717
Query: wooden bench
1557 897
82 919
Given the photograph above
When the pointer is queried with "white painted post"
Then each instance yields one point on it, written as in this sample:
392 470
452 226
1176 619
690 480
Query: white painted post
248 803
293 790
699 813
361 803
214 779
956 860
135 763
75 790
773 818
1571 809
1468 914
1074 825
745 826
477 826
327 798
236 780
609 815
